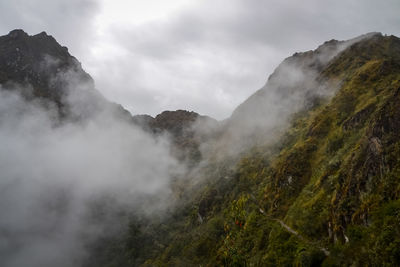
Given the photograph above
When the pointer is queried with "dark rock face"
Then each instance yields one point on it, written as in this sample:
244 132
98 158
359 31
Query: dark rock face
38 67
388 121
143 121
184 128
36 61
175 122
359 118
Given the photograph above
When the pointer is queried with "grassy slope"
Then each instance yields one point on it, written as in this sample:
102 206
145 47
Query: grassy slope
334 179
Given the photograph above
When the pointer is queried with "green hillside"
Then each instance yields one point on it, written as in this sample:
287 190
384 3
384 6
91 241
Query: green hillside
326 194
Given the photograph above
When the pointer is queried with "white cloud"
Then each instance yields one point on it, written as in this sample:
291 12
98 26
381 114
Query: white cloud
63 185
206 56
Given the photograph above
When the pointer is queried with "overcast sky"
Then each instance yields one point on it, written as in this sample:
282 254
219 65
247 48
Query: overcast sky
204 55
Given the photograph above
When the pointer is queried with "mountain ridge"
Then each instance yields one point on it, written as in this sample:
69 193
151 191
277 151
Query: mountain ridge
315 175
332 178
38 62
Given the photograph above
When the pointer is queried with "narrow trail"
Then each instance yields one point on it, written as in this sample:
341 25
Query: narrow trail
290 230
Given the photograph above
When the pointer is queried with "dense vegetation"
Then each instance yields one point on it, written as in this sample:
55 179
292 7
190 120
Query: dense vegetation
326 194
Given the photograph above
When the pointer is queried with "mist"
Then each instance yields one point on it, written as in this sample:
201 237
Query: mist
74 172
295 85
65 183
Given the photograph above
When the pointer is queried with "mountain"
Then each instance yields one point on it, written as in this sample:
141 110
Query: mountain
323 191
304 173
38 67
34 61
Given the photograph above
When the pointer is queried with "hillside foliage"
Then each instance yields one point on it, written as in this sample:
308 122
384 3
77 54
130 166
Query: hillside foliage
327 194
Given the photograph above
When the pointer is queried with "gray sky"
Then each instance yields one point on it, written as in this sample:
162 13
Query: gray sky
207 56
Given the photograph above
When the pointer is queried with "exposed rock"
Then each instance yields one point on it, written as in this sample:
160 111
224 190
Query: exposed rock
359 118
39 67
184 128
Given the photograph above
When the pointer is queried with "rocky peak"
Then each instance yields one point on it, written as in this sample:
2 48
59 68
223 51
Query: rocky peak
37 66
177 123
34 61
17 33
174 121
185 128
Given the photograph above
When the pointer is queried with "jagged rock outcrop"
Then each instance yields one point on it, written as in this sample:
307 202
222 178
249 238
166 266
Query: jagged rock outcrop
38 67
36 61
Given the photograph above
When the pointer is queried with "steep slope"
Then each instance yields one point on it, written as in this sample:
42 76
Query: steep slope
39 68
294 85
326 194
35 60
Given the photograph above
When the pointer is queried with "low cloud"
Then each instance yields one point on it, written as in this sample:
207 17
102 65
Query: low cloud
295 85
66 183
